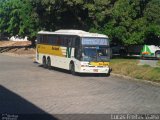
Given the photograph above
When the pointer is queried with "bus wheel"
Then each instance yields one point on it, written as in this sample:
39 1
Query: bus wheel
49 63
109 73
44 62
72 69
157 54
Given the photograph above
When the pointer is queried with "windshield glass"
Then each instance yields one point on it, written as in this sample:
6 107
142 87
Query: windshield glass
96 53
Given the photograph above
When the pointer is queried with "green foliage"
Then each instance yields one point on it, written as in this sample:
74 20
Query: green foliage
18 18
127 26
152 17
124 21
152 12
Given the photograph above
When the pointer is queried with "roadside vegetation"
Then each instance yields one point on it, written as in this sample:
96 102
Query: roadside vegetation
130 67
126 22
158 63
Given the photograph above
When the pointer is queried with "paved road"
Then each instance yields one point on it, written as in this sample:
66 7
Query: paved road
25 87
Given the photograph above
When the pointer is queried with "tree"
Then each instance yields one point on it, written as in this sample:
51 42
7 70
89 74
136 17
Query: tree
64 14
124 21
18 18
99 13
127 25
152 17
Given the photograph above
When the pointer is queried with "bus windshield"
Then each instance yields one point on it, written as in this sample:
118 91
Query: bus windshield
95 49
98 53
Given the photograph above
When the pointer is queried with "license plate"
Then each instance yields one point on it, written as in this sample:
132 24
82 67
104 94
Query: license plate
95 70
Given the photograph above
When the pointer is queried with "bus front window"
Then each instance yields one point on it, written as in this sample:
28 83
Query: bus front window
100 54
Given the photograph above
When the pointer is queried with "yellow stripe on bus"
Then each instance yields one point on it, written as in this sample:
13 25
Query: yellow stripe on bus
49 49
99 63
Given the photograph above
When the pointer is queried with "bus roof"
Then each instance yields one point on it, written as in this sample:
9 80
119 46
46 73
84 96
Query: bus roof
80 33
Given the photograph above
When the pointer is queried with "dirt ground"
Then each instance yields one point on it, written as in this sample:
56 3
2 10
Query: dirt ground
20 47
14 43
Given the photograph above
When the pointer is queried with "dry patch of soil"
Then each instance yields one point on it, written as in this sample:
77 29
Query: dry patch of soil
14 43
17 47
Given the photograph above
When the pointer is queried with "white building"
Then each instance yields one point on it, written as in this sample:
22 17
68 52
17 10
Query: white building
17 38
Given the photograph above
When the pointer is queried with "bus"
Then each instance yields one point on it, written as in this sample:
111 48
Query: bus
74 50
150 51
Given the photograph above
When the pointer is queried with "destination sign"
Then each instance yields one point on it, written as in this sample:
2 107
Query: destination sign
95 41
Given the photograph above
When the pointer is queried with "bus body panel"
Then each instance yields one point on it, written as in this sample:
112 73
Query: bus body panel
59 58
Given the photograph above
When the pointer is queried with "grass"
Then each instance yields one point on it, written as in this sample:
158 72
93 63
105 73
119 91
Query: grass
130 67
158 63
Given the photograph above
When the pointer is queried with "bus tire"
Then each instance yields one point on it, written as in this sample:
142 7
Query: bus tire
44 62
48 63
72 69
109 73
157 54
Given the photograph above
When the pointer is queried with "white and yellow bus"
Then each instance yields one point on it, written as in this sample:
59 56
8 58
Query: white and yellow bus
74 50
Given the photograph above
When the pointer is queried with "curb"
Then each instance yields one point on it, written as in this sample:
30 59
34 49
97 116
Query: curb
138 80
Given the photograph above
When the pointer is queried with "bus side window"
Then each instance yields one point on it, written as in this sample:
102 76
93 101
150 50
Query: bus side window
77 42
78 51
45 39
64 41
50 39
38 39
71 41
58 40
54 40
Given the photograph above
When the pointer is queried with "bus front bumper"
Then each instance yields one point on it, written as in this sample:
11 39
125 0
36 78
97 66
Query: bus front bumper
95 70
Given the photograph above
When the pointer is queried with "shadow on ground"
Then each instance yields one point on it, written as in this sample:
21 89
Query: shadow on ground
13 106
77 74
